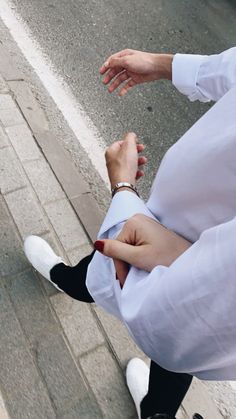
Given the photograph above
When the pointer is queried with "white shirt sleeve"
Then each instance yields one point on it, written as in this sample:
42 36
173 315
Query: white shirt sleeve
124 205
184 316
202 77
101 276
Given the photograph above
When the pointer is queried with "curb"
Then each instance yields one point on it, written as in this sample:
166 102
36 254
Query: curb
71 181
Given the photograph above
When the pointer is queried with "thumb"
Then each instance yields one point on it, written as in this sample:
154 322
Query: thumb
119 250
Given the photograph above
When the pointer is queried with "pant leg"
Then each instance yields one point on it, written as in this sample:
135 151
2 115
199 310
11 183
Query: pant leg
71 280
165 392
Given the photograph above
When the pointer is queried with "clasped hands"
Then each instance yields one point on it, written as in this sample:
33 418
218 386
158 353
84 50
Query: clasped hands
143 241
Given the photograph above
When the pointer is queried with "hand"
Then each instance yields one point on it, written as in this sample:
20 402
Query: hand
135 67
143 243
123 162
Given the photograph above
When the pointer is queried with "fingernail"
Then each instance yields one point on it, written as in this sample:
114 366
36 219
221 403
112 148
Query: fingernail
99 245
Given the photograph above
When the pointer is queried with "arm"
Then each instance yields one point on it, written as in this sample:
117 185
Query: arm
200 77
184 316
124 165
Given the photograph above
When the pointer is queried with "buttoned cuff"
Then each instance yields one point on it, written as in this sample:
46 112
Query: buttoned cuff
185 70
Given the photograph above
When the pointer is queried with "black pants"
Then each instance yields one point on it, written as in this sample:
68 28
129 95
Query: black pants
166 389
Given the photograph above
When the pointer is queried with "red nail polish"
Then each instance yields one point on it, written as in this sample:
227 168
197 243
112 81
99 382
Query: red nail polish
99 245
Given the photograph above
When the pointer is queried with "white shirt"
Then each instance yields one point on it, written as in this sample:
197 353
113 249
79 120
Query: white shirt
184 316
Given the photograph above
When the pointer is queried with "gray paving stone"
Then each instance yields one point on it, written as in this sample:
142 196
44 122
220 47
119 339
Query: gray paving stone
12 176
120 341
26 212
84 409
29 106
7 69
199 400
89 213
24 393
48 287
107 382
23 142
66 224
3 85
12 258
33 311
3 139
64 382
79 253
11 117
43 180
78 323
181 414
6 102
60 162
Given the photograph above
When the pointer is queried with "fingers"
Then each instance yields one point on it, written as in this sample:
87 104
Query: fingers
111 74
139 174
115 63
131 83
129 140
130 136
121 251
118 81
129 147
113 60
121 76
122 270
142 160
140 147
118 144
118 66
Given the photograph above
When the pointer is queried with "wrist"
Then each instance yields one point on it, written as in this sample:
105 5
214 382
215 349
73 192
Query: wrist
124 186
119 179
163 64
124 189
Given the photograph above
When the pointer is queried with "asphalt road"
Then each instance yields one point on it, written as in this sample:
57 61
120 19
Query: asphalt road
78 35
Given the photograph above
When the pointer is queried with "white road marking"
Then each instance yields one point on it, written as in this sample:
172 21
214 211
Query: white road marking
57 88
3 410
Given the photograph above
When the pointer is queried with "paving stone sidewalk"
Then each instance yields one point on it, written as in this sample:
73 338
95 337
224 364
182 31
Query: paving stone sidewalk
59 358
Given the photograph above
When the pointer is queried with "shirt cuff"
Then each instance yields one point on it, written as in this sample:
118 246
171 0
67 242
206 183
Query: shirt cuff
124 205
185 69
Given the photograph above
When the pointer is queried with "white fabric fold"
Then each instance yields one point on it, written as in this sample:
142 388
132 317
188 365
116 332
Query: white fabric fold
104 287
185 68
204 78
184 316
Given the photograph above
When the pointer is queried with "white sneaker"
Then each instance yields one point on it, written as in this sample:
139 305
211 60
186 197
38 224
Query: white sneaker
137 377
41 256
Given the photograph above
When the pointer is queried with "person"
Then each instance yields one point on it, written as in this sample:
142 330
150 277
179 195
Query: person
177 294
